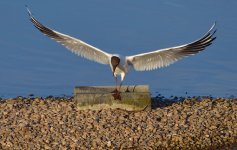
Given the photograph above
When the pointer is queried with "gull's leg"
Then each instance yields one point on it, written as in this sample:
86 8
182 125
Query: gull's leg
116 92
116 86
116 80
120 85
127 89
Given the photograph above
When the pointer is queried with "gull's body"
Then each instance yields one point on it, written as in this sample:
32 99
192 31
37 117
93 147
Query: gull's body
121 65
122 68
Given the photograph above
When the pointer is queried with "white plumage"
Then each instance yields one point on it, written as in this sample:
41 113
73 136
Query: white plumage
120 65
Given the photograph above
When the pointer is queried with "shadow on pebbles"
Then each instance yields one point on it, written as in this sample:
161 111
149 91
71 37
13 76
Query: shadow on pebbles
55 123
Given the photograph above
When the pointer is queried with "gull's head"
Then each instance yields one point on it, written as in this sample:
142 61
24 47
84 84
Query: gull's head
115 60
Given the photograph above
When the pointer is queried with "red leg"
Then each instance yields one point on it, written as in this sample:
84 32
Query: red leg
120 86
116 88
116 92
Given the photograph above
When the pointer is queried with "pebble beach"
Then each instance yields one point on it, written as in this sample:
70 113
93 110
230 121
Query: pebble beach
56 123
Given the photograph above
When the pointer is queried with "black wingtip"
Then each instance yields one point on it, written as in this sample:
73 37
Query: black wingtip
215 22
213 27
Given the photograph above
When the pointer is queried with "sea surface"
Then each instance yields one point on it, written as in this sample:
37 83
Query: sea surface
31 63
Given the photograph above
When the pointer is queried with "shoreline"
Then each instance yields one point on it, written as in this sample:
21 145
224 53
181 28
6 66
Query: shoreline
55 123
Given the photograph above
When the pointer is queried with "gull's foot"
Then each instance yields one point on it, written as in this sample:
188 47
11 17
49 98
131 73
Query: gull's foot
116 95
127 89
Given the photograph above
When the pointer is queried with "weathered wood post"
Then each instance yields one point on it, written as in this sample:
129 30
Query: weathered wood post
133 98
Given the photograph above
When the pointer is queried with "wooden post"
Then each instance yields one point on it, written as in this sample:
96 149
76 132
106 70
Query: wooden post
133 98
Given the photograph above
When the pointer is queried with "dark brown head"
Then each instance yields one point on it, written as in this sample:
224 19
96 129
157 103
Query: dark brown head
115 62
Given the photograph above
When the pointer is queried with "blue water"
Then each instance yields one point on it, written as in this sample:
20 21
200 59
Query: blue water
31 63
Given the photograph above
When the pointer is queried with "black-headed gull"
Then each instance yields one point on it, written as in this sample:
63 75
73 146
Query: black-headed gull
120 65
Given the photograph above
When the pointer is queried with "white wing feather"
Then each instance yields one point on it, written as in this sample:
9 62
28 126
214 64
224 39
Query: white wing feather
75 45
164 57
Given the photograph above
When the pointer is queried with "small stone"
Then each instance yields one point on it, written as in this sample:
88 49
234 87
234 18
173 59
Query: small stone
190 125
109 144
139 128
213 127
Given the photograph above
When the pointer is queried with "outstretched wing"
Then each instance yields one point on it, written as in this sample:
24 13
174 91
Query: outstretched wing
164 57
75 45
